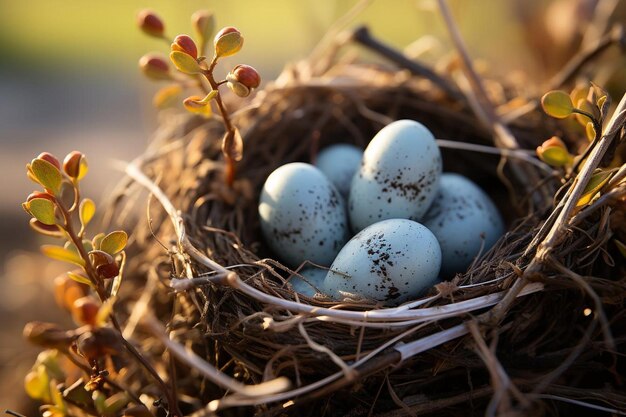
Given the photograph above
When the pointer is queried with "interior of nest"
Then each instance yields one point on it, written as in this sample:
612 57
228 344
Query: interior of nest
537 338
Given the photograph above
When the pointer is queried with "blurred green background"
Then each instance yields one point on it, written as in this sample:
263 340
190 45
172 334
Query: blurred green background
69 80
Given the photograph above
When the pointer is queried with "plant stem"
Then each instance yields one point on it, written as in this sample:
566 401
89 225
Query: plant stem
362 35
597 126
230 130
99 287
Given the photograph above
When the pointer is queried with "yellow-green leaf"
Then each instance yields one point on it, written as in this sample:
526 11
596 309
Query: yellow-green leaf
167 96
555 156
597 181
62 254
203 23
87 210
97 240
47 175
36 384
43 210
114 242
185 63
116 402
590 131
557 104
228 44
44 229
80 278
104 312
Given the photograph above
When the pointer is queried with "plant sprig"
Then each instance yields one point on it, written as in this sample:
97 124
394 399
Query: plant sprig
87 292
189 59
591 109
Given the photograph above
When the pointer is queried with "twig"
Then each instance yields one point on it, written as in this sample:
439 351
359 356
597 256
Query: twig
195 362
614 36
568 204
362 36
482 105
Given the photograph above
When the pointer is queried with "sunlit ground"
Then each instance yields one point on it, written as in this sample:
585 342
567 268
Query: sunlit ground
69 80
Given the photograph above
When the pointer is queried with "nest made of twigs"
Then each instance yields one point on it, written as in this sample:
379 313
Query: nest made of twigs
459 351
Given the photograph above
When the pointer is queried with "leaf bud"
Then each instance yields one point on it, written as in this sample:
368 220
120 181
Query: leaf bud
85 309
242 79
185 44
155 67
75 165
228 41
50 158
150 23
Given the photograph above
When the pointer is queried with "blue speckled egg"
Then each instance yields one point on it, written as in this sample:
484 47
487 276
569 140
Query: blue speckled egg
314 276
398 176
339 163
302 215
392 261
462 217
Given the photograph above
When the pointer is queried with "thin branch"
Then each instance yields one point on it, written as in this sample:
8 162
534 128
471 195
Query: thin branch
362 36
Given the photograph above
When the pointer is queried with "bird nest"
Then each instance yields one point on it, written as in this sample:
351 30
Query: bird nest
536 323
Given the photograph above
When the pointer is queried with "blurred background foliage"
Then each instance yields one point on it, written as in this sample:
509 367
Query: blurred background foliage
69 80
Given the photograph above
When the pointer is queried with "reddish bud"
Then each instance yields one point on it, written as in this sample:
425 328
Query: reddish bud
39 194
185 44
67 291
98 343
108 270
72 164
50 158
47 335
246 75
225 31
85 309
150 23
155 67
228 41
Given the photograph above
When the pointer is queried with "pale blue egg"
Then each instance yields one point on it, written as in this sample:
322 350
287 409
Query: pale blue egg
392 261
398 177
339 163
314 278
302 215
464 219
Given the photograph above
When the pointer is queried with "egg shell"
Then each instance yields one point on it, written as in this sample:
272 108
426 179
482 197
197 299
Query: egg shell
461 215
339 163
314 276
302 215
398 176
392 261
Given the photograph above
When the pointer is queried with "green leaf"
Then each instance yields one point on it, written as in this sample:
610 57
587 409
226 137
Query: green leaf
87 210
116 402
557 104
47 175
47 230
590 131
585 106
621 247
114 242
62 254
185 63
97 240
36 384
597 181
555 156
167 96
228 44
80 278
43 210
